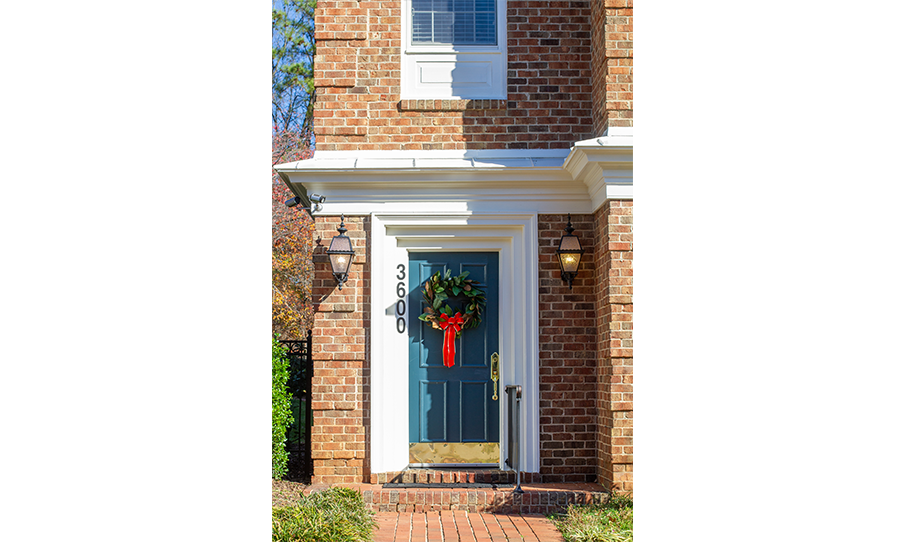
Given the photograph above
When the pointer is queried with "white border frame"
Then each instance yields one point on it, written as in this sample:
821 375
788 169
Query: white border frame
514 237
498 55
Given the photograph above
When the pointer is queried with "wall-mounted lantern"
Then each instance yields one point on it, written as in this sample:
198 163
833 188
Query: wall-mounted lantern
569 253
341 254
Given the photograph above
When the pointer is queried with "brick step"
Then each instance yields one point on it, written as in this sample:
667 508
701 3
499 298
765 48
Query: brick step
536 498
446 476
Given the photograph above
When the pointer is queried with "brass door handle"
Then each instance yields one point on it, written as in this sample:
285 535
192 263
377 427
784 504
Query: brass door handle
495 373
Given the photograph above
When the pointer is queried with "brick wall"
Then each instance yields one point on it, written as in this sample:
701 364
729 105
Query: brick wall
585 355
613 255
598 67
611 61
568 356
554 99
341 381
357 72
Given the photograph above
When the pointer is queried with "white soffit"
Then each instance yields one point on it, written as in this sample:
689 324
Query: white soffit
577 180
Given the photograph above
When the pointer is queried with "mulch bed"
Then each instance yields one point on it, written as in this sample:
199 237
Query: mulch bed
286 493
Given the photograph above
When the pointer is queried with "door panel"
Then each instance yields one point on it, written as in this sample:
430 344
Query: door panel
449 406
432 403
473 400
431 338
474 345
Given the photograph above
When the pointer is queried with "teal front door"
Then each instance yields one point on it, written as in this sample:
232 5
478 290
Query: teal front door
453 412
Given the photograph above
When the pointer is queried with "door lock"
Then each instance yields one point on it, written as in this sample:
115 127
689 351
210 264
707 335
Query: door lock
495 373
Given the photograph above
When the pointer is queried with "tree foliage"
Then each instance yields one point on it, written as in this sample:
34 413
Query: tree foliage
293 61
293 244
293 103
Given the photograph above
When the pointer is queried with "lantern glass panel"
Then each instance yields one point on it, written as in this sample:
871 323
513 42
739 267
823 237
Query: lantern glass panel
340 243
570 243
340 263
569 261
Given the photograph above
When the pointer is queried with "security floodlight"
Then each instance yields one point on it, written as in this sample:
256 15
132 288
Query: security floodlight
312 204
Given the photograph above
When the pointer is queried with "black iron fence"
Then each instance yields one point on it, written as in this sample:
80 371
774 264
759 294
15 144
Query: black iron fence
298 438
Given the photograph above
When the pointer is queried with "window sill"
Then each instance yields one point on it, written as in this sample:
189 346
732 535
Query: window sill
450 105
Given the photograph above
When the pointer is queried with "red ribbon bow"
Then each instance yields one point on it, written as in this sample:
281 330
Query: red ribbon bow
452 325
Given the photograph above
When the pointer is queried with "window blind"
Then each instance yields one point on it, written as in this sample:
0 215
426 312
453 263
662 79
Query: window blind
455 22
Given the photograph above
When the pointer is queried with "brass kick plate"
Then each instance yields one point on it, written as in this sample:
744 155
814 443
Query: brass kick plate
454 452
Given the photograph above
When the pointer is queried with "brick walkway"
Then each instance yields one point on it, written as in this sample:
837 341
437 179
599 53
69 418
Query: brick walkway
462 526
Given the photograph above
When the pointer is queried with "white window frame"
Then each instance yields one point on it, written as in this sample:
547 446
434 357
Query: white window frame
416 58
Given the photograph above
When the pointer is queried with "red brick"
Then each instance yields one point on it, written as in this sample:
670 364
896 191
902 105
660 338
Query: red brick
557 94
548 47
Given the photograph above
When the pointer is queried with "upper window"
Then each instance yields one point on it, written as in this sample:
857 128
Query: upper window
454 22
453 49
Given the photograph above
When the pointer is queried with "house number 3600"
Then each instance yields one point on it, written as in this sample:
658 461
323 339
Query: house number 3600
400 303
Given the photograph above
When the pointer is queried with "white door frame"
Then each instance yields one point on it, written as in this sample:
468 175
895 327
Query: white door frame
514 236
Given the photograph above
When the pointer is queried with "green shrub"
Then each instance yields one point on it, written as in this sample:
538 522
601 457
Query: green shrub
334 515
609 522
282 414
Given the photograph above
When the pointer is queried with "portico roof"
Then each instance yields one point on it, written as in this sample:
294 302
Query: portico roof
576 180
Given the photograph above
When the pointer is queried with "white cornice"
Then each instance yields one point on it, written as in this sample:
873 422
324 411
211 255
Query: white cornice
578 180
605 165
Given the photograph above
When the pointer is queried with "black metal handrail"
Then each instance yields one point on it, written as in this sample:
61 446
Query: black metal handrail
513 406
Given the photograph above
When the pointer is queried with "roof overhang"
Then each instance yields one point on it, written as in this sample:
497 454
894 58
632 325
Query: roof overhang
577 180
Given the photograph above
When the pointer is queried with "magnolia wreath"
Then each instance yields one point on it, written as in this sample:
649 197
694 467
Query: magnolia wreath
436 291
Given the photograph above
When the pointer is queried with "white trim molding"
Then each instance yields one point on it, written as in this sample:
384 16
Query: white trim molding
577 180
605 166
514 237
